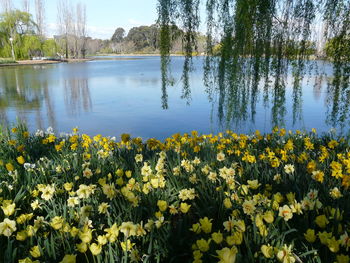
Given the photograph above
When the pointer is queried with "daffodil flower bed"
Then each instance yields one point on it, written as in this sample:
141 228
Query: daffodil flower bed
279 197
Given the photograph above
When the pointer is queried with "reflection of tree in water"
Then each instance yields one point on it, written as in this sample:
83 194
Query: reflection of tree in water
260 44
77 95
24 92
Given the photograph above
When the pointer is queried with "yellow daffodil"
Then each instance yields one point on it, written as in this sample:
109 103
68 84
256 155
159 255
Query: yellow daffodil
35 252
203 245
8 207
321 221
163 205
310 235
217 237
267 250
69 259
184 207
227 255
206 224
7 227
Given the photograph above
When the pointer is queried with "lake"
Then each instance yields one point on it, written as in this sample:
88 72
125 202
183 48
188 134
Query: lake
111 97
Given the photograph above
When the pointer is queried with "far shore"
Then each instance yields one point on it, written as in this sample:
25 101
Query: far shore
44 62
71 60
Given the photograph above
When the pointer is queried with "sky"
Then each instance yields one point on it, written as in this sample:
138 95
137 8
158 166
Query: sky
103 16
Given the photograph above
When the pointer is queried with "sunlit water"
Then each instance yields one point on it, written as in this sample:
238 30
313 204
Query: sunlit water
125 96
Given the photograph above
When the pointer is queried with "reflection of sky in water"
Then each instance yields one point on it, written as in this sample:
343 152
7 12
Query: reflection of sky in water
112 97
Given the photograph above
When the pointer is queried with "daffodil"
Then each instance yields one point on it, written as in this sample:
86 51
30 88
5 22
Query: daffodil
8 207
95 249
184 207
35 252
217 237
163 205
206 224
203 245
310 235
285 212
227 255
102 208
128 229
267 250
7 227
285 254
69 259
127 246
321 221
57 222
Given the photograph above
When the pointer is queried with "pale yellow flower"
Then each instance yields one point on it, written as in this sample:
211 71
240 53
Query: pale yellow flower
8 207
220 156
285 212
69 259
102 208
7 227
248 207
227 255
128 229
35 252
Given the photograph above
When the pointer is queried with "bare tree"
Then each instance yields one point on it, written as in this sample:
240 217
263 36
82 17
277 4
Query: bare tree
81 29
26 5
64 21
6 5
40 16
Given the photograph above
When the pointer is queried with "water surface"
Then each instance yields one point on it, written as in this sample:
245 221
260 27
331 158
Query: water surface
111 97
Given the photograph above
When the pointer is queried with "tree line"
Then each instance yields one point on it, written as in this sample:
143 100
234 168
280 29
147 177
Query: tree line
146 39
22 34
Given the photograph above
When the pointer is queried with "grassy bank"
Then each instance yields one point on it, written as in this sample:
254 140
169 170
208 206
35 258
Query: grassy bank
7 61
226 198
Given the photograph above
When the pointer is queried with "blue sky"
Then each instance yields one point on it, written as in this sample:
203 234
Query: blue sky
103 16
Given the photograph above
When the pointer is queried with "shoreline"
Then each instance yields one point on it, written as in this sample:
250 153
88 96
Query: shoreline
70 60
43 62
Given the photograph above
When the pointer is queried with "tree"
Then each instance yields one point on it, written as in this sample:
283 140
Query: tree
64 19
26 6
40 16
50 48
144 36
261 42
81 29
16 25
31 46
118 35
6 5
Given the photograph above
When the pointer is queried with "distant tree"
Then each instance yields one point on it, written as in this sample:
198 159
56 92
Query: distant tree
26 6
144 36
81 29
118 35
40 16
16 25
64 19
50 48
31 46
6 5
338 48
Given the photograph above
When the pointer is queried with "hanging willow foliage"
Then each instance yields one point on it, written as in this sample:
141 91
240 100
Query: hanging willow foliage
255 43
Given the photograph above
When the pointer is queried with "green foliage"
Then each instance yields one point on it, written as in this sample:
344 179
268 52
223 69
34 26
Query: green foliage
6 60
31 46
143 36
17 25
118 35
253 45
338 48
50 48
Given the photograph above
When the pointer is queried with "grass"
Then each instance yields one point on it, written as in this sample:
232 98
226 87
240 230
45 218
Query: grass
7 61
